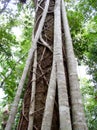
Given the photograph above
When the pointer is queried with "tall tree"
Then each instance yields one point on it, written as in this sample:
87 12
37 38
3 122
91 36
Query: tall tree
52 98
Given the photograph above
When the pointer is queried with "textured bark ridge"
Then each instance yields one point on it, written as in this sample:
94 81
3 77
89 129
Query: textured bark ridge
52 98
44 67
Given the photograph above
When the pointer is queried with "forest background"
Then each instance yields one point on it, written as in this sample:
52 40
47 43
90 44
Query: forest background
16 27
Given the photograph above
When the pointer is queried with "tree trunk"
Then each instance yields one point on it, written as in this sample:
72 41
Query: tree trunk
43 72
78 118
52 98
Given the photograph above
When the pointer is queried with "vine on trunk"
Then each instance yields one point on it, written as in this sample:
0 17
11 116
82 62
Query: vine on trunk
47 105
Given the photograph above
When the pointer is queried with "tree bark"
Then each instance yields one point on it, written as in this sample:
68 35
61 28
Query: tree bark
78 118
65 121
32 102
52 99
43 72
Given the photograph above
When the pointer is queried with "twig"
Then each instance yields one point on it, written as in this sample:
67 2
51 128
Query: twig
37 110
5 6
42 55
24 113
43 75
38 5
45 43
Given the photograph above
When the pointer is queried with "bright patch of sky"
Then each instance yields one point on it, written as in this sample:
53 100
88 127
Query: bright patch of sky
1 69
17 32
82 72
12 4
2 95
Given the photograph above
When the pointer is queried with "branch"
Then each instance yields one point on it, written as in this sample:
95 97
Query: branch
5 6
45 43
38 5
32 102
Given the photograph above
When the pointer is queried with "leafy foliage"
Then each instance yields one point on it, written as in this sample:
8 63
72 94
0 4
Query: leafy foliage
83 20
14 49
90 103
